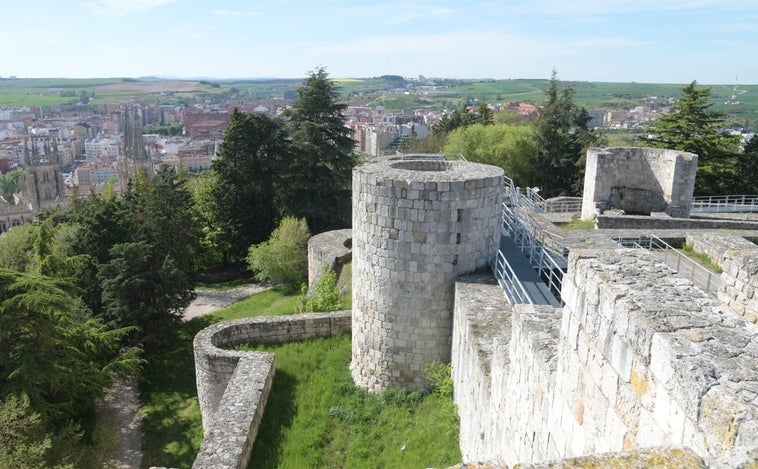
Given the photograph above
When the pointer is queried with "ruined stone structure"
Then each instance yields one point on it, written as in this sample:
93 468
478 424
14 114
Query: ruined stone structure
638 181
417 224
638 357
331 250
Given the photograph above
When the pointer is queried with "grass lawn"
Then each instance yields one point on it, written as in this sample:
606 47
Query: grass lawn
577 224
172 426
315 416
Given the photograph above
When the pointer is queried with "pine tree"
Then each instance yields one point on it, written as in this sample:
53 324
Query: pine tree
562 137
691 126
316 183
250 163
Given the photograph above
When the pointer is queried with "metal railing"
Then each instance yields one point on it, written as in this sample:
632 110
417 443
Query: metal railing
530 239
724 204
509 282
683 265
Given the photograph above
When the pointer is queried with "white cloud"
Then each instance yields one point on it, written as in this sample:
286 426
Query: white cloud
411 14
123 7
235 13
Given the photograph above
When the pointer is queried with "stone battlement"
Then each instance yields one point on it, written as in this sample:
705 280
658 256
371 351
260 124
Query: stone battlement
637 358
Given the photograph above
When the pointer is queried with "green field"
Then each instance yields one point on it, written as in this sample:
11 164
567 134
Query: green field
388 91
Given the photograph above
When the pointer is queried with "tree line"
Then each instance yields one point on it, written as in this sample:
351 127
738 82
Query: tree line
84 292
549 151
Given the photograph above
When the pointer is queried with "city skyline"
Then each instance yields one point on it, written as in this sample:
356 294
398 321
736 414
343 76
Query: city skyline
615 41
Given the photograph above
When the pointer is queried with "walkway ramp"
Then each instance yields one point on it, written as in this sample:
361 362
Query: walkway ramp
534 286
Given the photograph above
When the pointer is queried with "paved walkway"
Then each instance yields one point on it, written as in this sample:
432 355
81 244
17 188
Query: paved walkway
119 409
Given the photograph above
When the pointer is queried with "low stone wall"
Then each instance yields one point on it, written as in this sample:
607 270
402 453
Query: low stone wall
233 386
738 258
330 249
641 359
636 222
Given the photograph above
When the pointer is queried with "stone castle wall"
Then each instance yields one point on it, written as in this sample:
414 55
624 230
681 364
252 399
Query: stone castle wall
639 181
738 258
233 386
637 358
416 225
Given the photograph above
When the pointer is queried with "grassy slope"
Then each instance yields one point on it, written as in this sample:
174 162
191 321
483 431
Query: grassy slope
172 423
315 416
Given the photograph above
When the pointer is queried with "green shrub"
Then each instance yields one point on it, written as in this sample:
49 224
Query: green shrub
284 257
441 377
326 295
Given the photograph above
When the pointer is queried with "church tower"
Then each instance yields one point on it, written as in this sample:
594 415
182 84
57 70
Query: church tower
134 156
44 180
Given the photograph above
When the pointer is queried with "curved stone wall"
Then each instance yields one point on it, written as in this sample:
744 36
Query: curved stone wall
417 224
331 249
233 386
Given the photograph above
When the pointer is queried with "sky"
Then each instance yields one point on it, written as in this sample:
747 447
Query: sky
645 41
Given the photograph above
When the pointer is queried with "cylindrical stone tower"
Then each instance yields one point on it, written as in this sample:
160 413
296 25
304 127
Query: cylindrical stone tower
417 224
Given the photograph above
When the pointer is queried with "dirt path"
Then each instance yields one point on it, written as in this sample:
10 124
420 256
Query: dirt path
208 301
119 409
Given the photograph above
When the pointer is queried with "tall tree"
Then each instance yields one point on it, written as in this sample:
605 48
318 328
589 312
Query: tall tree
52 350
562 137
149 277
250 163
485 115
508 146
316 185
456 119
144 249
691 126
747 168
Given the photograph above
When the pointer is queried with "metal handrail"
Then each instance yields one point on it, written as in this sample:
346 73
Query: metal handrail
724 203
514 290
531 243
681 263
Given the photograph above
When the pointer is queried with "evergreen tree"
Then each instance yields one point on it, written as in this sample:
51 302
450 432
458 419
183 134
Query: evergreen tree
144 251
250 163
456 119
149 277
52 350
316 183
747 168
485 115
562 137
691 126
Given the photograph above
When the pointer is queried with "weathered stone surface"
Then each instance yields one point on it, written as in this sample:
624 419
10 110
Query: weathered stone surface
637 358
331 249
638 180
663 458
416 225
